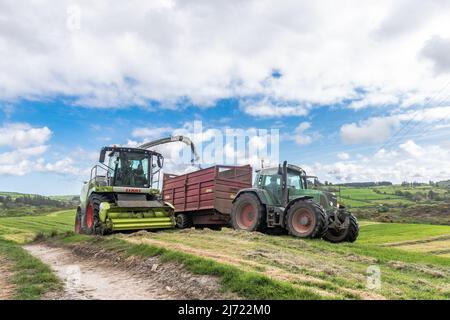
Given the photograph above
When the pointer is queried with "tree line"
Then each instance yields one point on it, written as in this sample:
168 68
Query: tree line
32 200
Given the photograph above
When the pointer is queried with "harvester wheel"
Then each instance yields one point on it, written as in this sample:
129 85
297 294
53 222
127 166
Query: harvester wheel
350 233
306 219
183 221
93 224
248 213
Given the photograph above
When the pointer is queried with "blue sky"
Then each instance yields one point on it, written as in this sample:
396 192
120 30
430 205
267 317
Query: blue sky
351 104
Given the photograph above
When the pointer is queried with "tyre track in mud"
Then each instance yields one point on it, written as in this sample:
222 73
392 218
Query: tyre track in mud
97 275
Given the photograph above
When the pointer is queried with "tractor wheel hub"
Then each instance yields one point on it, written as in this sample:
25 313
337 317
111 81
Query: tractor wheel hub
304 221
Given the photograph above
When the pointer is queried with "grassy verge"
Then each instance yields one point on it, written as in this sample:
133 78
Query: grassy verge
249 285
32 278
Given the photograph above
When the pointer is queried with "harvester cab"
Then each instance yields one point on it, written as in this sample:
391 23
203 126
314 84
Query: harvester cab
123 193
129 167
285 197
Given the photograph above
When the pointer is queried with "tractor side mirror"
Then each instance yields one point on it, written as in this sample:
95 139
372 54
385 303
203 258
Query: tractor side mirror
102 156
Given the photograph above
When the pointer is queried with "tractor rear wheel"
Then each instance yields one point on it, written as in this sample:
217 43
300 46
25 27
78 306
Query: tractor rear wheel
183 221
248 213
306 219
92 223
349 234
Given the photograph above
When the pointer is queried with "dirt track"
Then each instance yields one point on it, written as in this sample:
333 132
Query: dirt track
89 276
6 287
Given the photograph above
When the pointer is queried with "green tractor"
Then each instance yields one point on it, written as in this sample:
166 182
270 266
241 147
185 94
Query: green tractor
121 195
282 200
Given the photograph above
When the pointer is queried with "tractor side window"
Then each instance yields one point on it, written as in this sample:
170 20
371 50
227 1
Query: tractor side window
272 183
294 181
274 180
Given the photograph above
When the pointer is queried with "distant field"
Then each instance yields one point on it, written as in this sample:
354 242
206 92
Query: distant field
367 197
384 198
384 233
24 228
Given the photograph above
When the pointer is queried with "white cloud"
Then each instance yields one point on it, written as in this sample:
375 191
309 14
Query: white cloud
63 166
20 135
23 150
412 149
373 130
407 16
138 52
273 109
375 99
15 156
379 129
302 135
409 161
154 133
343 155
437 50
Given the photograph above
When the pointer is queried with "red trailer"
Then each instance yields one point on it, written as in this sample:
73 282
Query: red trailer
204 198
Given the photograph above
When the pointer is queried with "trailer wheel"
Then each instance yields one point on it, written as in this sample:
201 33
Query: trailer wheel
183 221
306 219
349 234
247 213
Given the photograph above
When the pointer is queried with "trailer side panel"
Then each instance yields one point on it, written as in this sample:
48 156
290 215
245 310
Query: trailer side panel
208 191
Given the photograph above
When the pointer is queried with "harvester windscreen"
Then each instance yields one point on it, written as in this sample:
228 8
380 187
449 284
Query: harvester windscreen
129 169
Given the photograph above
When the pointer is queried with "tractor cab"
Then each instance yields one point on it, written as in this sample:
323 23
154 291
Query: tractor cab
271 180
296 184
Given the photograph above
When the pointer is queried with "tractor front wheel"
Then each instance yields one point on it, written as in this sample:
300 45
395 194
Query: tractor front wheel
349 233
306 219
248 213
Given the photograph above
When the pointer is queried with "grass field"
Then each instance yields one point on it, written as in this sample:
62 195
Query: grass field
24 228
413 258
367 197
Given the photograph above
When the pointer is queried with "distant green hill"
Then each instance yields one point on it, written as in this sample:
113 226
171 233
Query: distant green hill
14 195
21 204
